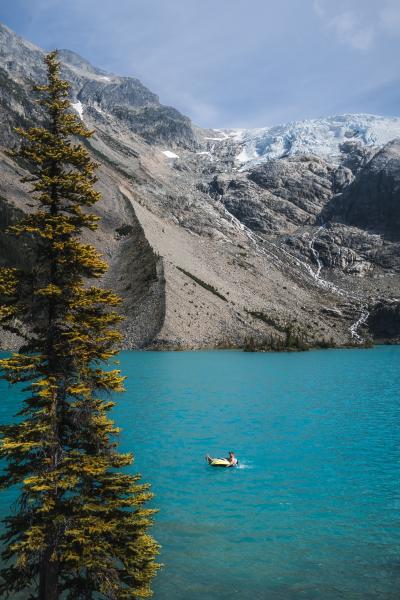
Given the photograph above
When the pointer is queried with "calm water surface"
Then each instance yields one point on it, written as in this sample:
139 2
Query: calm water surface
313 511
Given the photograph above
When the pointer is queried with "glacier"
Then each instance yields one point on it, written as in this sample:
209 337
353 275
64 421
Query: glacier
321 137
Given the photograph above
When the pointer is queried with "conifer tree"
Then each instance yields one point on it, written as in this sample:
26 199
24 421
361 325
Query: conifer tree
81 529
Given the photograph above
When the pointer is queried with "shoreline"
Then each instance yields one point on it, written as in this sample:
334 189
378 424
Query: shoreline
241 348
233 348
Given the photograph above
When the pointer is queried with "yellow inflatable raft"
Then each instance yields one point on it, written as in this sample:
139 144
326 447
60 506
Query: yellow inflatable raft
218 462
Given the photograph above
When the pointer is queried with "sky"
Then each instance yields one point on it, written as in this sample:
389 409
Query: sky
233 63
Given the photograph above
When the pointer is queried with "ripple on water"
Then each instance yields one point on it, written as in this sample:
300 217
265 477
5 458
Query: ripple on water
312 510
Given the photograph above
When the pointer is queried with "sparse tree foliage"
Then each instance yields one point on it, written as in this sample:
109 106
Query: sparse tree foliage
80 529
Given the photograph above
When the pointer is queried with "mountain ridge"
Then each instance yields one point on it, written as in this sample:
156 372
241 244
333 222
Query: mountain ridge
199 247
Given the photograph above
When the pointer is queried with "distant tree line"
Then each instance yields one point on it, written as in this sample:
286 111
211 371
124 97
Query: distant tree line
292 338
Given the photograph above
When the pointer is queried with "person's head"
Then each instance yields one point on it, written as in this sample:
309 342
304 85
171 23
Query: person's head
231 454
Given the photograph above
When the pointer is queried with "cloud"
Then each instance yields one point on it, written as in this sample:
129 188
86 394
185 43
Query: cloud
200 111
352 26
318 7
348 29
359 23
389 16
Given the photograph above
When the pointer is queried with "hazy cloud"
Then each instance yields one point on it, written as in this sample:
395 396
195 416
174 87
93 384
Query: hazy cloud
359 23
389 16
348 30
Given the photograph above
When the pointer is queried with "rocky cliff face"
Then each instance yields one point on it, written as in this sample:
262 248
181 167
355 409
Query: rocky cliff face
215 236
372 201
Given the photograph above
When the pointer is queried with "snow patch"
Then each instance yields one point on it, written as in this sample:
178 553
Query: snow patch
170 154
78 107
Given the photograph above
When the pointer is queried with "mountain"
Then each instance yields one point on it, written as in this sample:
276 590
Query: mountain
214 236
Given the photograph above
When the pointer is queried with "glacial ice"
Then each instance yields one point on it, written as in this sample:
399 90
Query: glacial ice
322 137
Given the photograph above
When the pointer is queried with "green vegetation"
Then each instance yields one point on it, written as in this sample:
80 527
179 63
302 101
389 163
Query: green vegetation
261 316
80 530
206 286
124 230
293 340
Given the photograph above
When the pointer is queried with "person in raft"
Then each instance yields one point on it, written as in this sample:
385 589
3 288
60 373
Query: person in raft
232 459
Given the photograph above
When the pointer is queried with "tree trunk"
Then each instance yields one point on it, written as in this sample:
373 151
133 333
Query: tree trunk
88 592
48 585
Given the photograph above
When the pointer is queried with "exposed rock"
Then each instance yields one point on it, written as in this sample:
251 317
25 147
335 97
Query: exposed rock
303 228
384 321
333 312
372 201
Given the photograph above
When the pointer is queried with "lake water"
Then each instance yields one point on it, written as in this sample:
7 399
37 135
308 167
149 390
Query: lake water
311 513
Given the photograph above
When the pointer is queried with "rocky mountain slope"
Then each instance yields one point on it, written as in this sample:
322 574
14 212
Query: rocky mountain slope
215 236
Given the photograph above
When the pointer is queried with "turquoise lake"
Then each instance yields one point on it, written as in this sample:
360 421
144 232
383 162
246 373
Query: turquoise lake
313 511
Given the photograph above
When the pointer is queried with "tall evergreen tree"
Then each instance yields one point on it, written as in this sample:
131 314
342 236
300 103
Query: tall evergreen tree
80 529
